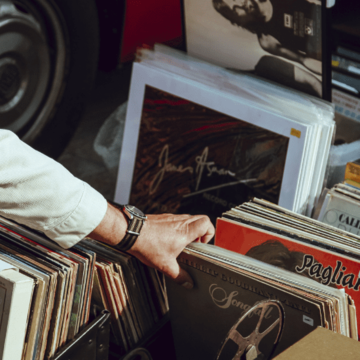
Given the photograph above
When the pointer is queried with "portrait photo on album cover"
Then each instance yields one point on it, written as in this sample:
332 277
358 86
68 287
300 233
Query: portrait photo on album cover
279 40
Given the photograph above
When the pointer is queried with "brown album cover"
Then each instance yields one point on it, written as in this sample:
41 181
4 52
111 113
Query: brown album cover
192 159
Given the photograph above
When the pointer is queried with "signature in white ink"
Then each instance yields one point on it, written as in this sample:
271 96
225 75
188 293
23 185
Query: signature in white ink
201 162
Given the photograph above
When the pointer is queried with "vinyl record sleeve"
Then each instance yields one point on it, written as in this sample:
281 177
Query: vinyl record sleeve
316 114
225 298
66 271
274 39
116 321
68 258
128 320
91 257
341 236
58 261
40 297
132 280
306 258
341 211
52 271
191 148
16 292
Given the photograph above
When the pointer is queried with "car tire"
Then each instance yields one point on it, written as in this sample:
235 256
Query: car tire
48 60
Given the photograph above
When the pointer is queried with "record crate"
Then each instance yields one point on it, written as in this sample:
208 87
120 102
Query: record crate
91 343
157 345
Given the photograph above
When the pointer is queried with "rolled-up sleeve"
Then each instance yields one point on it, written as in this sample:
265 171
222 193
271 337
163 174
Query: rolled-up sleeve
40 193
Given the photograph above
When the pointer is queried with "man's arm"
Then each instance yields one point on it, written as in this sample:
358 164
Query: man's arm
162 239
273 46
40 193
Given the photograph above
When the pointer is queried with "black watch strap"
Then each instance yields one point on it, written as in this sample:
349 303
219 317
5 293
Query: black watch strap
135 224
132 233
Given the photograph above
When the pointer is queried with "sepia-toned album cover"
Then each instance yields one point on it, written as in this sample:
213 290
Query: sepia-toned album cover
280 40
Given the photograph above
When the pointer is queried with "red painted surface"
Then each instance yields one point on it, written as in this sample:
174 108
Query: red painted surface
148 22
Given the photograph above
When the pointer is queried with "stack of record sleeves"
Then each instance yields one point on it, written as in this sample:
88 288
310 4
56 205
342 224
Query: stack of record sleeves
64 289
201 139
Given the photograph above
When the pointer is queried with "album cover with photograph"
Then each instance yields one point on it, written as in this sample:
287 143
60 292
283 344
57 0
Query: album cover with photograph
282 41
293 251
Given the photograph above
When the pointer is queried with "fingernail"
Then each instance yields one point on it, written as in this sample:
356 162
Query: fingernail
187 285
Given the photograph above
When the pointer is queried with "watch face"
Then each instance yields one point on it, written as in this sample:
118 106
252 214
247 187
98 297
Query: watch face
135 211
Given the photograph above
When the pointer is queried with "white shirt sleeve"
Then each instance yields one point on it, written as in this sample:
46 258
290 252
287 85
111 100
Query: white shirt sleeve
40 193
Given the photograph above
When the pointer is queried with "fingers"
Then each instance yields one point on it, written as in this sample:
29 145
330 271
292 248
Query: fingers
202 228
164 237
205 239
180 276
194 226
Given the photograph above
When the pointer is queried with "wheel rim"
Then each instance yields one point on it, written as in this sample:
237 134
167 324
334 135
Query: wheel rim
31 73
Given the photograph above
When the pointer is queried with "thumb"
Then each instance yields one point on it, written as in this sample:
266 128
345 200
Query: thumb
183 278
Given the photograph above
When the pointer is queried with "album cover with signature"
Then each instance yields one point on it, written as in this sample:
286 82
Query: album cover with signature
241 308
192 159
202 144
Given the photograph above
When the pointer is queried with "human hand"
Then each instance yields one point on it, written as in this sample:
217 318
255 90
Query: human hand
163 238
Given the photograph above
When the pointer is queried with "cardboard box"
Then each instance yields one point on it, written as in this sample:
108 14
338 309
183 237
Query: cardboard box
322 344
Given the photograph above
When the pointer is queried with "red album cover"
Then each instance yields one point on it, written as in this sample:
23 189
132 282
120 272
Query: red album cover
326 267
149 22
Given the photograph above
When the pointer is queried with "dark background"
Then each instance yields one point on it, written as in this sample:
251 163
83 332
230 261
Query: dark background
79 157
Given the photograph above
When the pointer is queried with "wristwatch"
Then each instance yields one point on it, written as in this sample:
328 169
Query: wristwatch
135 219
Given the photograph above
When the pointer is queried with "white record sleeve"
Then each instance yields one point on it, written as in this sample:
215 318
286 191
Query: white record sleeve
217 100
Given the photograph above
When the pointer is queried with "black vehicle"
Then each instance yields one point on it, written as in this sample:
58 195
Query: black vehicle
50 51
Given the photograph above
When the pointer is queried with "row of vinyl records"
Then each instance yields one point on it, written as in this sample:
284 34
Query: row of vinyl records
272 277
254 292
48 294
